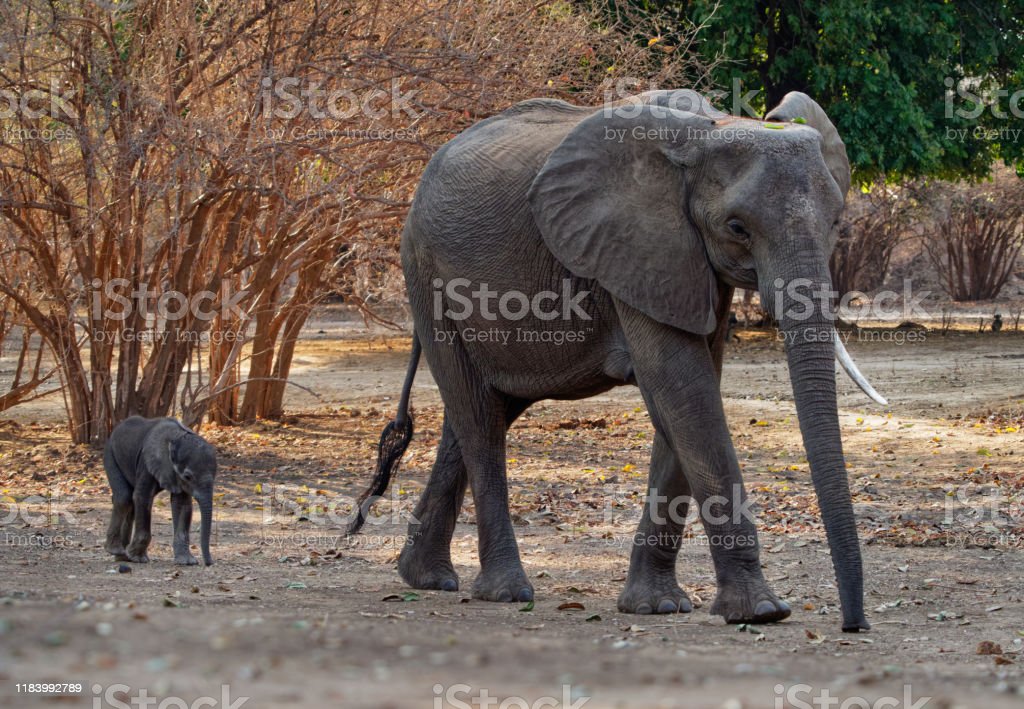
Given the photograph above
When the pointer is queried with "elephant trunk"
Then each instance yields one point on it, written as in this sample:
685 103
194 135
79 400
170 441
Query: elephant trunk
205 500
810 336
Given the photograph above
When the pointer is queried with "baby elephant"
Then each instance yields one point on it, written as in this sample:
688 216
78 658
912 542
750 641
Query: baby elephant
143 457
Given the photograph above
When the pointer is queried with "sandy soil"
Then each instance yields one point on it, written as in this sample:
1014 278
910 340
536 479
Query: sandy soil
292 614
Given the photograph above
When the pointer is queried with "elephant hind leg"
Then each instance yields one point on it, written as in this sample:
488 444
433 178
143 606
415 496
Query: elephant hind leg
127 525
477 414
122 510
651 586
425 561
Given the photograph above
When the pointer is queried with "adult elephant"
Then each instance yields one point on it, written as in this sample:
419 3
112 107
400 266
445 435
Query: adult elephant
554 252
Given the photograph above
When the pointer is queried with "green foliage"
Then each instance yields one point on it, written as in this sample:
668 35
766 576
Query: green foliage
890 74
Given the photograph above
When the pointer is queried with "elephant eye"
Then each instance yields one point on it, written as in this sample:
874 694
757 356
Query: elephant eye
737 228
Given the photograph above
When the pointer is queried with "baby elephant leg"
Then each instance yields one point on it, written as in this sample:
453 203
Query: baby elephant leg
145 491
181 514
121 513
127 524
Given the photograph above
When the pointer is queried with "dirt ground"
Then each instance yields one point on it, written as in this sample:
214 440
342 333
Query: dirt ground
292 614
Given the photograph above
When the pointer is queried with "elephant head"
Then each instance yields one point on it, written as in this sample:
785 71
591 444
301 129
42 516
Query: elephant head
658 204
194 466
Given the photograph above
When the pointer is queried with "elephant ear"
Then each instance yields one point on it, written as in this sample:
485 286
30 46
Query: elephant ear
610 203
796 105
159 451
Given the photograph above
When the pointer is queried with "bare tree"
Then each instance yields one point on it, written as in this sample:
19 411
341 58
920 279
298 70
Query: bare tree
975 243
31 370
184 182
871 228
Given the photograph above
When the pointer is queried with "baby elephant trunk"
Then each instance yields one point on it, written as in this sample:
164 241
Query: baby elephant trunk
205 501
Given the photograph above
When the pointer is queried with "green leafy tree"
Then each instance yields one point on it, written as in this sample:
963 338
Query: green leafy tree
913 85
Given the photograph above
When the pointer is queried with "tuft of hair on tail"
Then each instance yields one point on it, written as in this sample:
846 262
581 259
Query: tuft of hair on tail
394 440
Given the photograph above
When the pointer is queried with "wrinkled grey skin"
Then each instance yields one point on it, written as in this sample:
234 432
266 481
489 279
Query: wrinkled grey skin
143 457
657 226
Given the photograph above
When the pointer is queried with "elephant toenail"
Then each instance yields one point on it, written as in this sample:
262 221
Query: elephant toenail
449 585
685 606
504 596
644 609
784 607
667 605
525 595
765 608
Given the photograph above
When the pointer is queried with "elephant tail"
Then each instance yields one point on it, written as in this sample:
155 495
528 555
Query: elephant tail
393 442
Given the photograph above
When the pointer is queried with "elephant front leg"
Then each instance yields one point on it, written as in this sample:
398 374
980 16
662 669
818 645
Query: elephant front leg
651 586
142 499
676 374
181 515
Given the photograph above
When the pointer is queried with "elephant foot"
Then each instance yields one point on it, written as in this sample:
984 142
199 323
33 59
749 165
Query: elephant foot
117 550
137 557
654 593
186 559
505 586
426 571
855 626
749 602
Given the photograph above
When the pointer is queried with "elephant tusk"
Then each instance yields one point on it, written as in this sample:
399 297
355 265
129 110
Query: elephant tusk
850 367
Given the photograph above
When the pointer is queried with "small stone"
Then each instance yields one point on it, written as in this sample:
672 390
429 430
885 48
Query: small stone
157 664
56 638
248 672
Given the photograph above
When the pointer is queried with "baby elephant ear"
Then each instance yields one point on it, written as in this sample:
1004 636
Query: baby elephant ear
162 466
611 204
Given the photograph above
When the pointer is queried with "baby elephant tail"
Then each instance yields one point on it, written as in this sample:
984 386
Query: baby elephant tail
393 442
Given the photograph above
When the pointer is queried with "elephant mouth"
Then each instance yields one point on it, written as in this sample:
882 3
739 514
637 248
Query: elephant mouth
740 278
